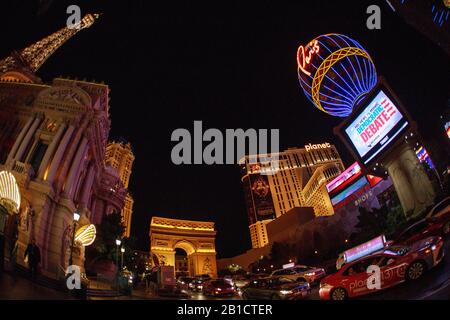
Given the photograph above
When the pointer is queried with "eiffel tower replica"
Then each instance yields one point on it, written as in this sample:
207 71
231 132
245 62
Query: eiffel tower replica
22 65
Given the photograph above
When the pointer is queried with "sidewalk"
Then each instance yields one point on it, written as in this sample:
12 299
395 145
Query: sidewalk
23 289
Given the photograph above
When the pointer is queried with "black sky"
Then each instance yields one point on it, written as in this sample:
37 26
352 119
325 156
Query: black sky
229 64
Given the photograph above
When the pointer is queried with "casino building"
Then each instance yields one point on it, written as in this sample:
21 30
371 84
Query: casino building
52 145
120 156
299 180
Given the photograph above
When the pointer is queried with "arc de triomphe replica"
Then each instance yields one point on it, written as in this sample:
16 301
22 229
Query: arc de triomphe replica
197 238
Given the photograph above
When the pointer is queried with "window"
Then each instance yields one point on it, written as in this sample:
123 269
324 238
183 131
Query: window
358 267
37 156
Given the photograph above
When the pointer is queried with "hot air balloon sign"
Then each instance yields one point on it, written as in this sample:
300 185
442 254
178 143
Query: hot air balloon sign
335 73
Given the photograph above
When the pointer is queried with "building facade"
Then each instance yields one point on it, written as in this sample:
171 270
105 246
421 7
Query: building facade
120 156
196 238
297 178
53 140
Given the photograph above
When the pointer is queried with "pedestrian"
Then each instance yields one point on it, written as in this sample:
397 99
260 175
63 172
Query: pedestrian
33 255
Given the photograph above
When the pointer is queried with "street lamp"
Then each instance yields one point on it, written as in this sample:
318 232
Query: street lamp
118 243
76 217
122 250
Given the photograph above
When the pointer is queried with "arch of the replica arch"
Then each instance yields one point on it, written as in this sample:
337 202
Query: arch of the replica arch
197 238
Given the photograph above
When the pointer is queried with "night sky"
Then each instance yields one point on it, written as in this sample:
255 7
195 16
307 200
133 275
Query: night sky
229 64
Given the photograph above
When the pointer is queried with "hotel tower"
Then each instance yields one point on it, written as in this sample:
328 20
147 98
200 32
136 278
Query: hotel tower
299 180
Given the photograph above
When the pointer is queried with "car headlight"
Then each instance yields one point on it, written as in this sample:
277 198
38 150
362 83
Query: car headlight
200 287
433 247
310 274
218 289
286 292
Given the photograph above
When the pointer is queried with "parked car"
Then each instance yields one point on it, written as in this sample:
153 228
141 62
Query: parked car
204 277
442 208
218 287
275 288
240 281
396 263
196 285
304 273
436 225
183 282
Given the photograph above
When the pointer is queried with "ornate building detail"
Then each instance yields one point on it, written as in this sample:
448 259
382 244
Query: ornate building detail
53 142
196 238
31 58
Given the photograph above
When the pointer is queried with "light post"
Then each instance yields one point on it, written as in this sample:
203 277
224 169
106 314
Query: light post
122 250
118 243
76 217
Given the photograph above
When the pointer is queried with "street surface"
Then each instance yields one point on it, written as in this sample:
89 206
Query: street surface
434 285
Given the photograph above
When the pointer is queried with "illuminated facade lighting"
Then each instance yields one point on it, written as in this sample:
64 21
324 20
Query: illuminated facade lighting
86 235
9 191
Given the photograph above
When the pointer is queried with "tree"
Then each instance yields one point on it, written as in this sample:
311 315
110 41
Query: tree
108 231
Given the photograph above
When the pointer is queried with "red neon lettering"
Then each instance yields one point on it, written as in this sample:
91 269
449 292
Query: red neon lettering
302 60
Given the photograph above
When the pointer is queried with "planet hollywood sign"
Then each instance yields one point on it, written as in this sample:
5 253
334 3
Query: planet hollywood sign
310 146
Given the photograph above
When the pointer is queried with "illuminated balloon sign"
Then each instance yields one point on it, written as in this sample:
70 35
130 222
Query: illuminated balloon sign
335 73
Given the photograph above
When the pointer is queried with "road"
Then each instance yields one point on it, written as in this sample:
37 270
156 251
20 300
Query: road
434 285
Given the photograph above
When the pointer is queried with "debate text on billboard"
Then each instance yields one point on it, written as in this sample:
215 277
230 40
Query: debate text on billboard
375 126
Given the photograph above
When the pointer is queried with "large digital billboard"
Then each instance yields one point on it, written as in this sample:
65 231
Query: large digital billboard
350 174
345 194
374 126
258 198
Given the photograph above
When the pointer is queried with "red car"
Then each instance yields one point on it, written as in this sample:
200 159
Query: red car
436 223
218 287
396 263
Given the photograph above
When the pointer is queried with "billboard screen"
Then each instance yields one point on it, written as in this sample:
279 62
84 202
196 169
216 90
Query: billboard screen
259 198
361 183
375 126
364 249
344 178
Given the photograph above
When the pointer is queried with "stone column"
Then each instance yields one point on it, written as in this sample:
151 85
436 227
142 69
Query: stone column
59 154
73 172
27 139
410 180
51 149
19 139
69 155
87 185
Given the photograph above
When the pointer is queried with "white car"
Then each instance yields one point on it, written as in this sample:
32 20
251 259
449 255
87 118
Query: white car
301 273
